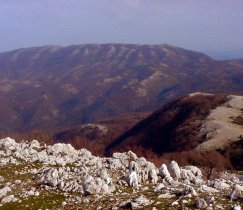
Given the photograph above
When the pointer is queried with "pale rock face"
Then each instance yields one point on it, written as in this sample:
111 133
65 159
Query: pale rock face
210 199
163 171
174 167
133 166
208 189
124 158
195 170
4 191
136 203
62 149
50 177
141 202
237 193
201 203
236 208
189 190
9 199
34 144
93 186
153 176
221 185
90 186
132 155
85 153
188 175
7 144
159 187
133 179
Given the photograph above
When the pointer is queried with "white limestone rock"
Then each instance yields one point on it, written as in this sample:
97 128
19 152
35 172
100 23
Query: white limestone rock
62 149
50 177
237 193
236 208
163 171
188 175
92 186
220 185
133 179
4 191
134 166
201 203
159 187
7 144
175 169
195 170
9 199
153 176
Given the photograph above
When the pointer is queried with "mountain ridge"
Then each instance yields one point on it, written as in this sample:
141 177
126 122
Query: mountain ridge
52 88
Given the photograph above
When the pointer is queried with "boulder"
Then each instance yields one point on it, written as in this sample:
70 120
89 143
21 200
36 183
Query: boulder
236 208
153 176
7 144
4 191
61 149
220 184
201 203
133 179
175 169
195 170
163 171
237 193
9 199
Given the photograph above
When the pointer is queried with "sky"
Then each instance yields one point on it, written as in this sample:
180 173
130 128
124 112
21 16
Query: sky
211 26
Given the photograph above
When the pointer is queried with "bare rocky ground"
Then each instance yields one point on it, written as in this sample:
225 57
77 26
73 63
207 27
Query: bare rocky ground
219 126
37 176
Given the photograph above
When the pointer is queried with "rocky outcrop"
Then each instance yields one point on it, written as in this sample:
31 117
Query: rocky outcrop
121 181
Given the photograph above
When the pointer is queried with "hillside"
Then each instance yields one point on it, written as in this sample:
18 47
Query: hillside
54 88
197 122
100 132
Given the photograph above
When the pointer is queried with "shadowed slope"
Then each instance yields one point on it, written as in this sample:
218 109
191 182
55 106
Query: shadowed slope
173 128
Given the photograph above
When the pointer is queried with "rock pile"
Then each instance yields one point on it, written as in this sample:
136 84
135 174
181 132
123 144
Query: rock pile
31 170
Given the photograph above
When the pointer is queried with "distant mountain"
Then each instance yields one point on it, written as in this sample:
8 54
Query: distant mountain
103 131
52 88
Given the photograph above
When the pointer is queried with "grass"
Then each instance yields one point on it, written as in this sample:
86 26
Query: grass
48 201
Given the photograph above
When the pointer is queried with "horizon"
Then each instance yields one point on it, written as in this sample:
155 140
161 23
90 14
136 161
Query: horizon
235 55
213 28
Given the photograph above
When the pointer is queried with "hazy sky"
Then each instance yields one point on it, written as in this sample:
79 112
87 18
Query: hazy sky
203 25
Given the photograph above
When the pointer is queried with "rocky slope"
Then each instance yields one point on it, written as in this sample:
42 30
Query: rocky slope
199 121
53 87
37 176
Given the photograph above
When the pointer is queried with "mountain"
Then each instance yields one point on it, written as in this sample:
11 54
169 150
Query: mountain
197 122
52 88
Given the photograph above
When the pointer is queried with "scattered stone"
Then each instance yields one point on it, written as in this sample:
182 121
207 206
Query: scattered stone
221 185
159 187
9 199
201 203
4 191
236 208
237 193
88 180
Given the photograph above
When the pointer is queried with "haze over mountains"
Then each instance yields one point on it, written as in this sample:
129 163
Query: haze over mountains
54 87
